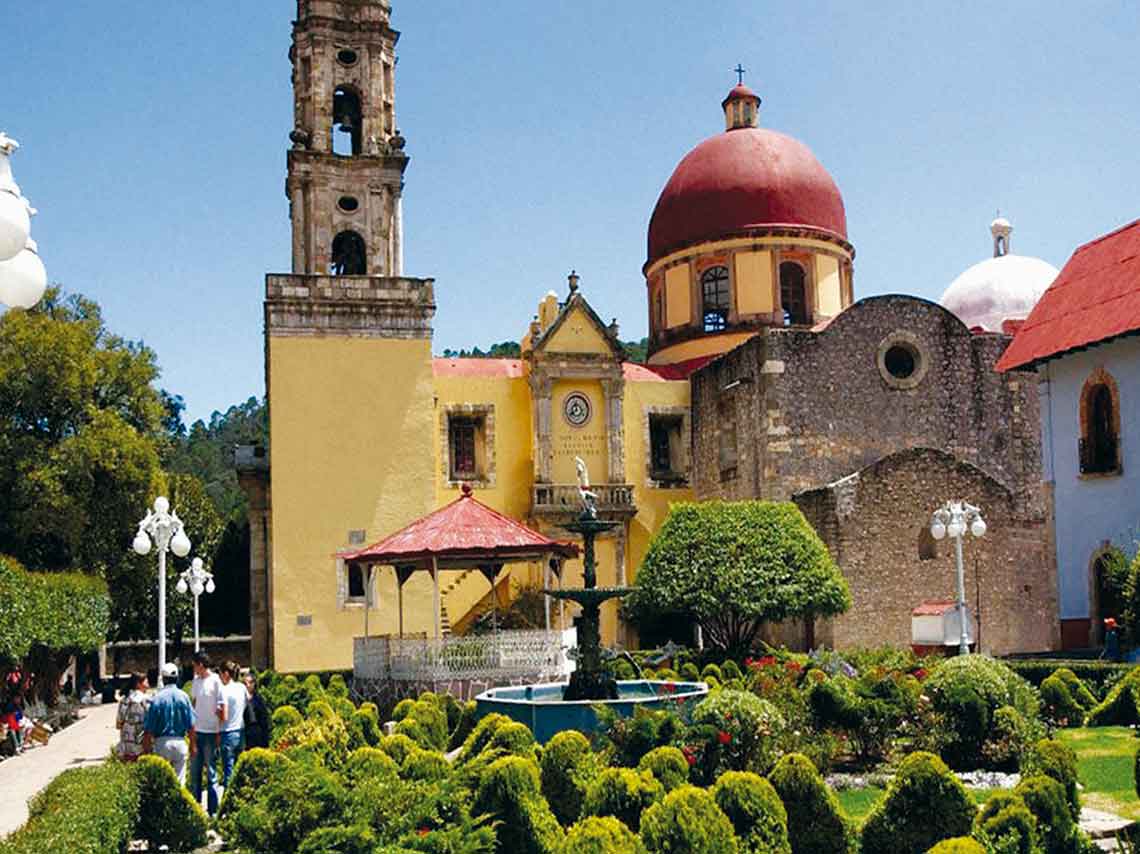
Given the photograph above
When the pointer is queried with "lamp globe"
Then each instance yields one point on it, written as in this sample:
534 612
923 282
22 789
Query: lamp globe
15 224
978 528
181 585
938 530
180 544
23 279
141 543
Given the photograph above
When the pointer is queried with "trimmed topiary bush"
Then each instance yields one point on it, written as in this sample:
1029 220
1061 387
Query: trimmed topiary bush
687 820
1008 739
467 719
689 672
397 746
509 793
601 835
622 793
1005 824
958 845
924 804
712 670
337 687
1045 797
667 765
815 820
1057 760
255 768
367 763
513 738
338 839
287 809
1059 704
740 732
966 691
285 717
755 810
567 767
82 811
167 813
425 765
1121 706
734 566
363 730
425 722
481 736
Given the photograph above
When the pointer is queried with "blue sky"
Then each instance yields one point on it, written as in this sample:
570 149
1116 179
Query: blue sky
540 135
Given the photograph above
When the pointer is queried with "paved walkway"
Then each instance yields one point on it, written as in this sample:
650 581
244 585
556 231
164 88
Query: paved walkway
86 742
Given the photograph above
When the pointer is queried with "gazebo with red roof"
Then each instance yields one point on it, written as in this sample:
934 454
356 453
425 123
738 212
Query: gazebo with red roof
464 534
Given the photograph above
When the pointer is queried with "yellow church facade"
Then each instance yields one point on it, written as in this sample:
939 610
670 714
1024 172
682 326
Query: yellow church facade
369 431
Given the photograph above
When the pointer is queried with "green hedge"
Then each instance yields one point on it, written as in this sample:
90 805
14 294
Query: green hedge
82 811
1094 673
60 611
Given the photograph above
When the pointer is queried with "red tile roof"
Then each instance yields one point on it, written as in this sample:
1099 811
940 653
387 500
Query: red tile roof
934 608
447 367
465 529
659 373
1095 298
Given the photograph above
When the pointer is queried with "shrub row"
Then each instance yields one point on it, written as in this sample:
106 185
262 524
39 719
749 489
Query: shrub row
60 611
1093 673
99 810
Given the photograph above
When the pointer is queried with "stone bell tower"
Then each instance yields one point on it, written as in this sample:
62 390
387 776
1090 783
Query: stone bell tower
348 370
346 168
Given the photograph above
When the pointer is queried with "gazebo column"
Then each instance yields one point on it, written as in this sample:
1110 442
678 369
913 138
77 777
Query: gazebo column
403 573
437 605
546 578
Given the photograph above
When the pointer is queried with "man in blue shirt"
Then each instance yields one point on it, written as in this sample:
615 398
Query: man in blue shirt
168 718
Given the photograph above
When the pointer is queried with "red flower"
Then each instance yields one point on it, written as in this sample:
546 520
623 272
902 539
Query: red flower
723 737
422 831
920 674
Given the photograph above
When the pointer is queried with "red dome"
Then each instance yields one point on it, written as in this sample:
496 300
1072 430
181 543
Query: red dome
744 179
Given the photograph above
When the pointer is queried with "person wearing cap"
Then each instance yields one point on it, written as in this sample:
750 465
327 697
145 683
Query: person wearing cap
169 717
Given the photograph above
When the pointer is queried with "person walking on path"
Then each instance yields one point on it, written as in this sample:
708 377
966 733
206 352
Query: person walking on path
256 715
131 716
209 715
234 695
168 719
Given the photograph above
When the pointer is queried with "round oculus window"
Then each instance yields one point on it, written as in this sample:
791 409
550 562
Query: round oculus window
902 361
348 204
576 409
346 56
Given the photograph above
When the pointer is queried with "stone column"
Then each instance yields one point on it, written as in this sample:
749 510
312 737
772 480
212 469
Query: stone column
614 389
541 392
298 214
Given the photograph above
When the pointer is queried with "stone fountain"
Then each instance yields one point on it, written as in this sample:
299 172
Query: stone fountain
550 708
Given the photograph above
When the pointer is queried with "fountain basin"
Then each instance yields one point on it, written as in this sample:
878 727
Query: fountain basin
543 710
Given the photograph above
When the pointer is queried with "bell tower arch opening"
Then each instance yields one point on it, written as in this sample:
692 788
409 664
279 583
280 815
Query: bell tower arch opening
349 255
348 122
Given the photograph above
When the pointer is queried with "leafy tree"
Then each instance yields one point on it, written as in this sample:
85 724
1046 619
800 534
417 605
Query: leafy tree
636 351
735 566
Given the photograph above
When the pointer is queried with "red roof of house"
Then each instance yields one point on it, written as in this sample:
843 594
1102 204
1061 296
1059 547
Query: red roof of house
468 367
661 373
465 529
1095 298
934 608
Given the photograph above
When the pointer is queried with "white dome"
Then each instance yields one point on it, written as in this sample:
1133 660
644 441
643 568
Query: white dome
998 289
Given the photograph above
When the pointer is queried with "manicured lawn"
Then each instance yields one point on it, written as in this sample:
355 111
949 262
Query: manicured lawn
1104 760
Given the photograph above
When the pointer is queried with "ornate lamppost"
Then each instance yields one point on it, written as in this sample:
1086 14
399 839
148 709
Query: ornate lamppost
22 274
164 528
197 580
953 519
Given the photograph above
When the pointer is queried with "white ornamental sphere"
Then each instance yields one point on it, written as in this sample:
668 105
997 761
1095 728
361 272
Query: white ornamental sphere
181 585
210 586
141 544
15 225
978 528
196 564
161 505
938 530
196 588
956 529
180 545
23 279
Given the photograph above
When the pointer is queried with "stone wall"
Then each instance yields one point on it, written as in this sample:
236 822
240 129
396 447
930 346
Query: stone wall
872 522
814 406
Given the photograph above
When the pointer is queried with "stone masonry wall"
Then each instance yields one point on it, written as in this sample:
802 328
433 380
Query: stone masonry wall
872 522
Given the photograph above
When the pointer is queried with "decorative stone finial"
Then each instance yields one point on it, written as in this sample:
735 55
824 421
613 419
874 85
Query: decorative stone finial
7 144
574 278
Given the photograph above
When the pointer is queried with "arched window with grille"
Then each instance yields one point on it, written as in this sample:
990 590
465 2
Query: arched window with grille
715 298
1100 425
793 293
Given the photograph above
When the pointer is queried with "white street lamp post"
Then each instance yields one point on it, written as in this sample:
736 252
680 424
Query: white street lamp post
22 274
197 580
164 528
954 518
